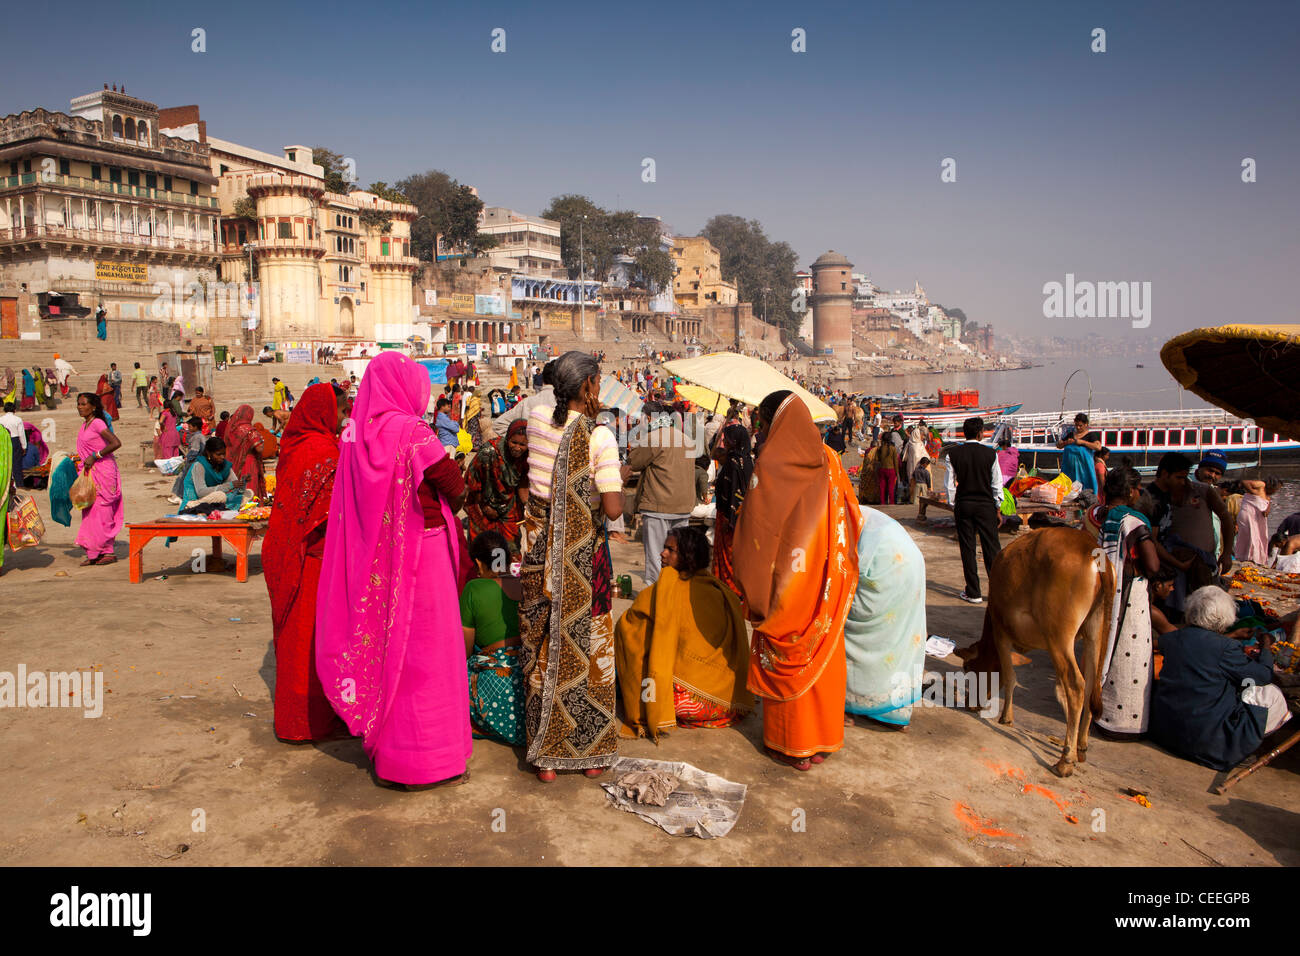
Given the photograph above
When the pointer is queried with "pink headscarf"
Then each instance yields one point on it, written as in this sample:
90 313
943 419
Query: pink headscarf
364 601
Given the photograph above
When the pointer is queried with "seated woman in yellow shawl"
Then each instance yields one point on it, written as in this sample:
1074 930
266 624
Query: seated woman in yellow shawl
686 634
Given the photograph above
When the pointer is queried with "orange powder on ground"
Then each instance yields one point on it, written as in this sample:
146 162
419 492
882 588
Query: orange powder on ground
1018 775
977 825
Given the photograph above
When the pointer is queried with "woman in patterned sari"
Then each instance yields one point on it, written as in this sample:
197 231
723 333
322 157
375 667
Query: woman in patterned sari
496 483
568 581
1127 677
291 562
735 468
687 632
473 423
797 566
389 650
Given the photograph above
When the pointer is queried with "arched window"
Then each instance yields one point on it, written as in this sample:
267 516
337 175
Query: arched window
142 132
130 128
117 127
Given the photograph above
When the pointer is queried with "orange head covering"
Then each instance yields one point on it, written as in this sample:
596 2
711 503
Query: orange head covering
795 554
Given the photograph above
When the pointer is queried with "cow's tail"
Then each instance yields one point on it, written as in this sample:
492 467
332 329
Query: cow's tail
1101 629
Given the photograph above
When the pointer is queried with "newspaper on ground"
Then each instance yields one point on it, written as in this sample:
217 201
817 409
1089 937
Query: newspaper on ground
703 804
940 647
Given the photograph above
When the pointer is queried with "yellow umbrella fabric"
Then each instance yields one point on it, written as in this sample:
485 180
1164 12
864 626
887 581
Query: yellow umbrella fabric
706 398
743 378
1252 371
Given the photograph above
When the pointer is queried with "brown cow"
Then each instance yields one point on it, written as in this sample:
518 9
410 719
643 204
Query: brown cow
1045 591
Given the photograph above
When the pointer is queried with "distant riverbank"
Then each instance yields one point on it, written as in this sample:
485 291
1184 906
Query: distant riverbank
1116 384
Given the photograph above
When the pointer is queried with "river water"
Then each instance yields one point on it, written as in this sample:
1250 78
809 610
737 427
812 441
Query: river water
1116 384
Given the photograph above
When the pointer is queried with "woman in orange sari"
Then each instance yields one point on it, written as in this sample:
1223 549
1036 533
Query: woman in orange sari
796 562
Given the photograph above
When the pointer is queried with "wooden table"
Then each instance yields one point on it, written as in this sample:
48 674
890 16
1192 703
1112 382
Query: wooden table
238 534
1024 508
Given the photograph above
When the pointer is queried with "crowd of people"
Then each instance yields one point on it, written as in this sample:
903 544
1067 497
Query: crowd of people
1179 647
424 595
439 566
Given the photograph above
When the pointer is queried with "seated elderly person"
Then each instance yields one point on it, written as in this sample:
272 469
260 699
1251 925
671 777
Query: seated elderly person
1213 704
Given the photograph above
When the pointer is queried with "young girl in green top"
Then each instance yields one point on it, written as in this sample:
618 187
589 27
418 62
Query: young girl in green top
489 616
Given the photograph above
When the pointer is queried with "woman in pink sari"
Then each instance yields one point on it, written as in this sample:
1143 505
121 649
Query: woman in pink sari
101 522
390 653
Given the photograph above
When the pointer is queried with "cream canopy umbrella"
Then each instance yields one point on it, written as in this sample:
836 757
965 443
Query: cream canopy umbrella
745 379
1252 371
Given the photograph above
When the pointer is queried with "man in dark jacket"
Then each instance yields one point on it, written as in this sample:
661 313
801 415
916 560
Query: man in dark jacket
975 490
1212 703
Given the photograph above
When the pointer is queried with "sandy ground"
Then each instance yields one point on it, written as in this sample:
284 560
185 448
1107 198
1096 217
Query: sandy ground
184 754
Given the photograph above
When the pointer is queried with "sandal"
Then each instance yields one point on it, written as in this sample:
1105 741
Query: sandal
801 764
88 562
107 559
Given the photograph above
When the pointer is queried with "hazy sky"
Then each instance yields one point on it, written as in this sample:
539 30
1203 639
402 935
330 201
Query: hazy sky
1123 165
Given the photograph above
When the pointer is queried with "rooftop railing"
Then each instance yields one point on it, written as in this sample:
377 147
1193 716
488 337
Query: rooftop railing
104 187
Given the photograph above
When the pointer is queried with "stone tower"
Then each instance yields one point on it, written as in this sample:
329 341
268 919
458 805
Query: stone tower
832 303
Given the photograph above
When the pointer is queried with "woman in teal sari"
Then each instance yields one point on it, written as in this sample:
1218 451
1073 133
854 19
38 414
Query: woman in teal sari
210 484
884 636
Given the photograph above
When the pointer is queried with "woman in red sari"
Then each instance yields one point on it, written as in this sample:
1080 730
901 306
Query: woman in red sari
796 561
244 449
496 485
291 562
105 393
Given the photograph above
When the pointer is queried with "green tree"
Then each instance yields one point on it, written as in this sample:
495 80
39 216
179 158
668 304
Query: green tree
245 208
377 218
447 208
385 191
594 238
336 172
763 270
579 217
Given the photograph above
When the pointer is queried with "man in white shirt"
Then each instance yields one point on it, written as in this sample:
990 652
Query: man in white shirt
18 437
